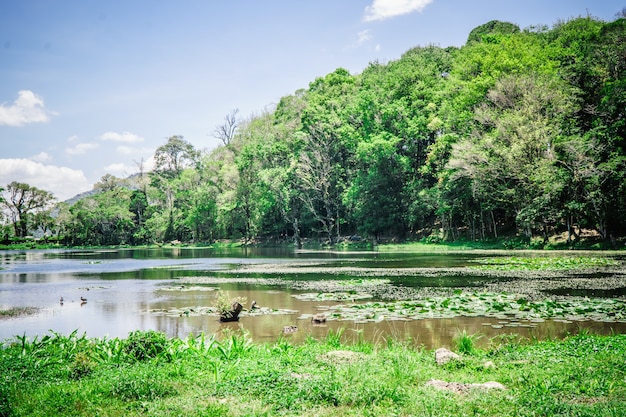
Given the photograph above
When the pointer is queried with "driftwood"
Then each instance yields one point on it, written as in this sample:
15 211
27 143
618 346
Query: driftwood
232 314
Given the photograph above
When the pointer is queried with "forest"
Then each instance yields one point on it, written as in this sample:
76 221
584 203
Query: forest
518 133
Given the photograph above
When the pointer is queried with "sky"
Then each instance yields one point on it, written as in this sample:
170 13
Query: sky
90 87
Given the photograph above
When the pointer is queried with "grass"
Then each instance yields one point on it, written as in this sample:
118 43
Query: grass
149 374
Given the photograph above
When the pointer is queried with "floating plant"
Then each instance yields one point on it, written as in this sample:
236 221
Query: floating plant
497 305
561 263
214 311
332 296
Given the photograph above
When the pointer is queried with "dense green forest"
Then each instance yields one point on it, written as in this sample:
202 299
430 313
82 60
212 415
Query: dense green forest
516 133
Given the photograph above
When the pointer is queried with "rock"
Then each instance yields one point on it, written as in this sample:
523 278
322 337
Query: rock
489 385
290 329
489 365
448 386
341 356
233 314
318 319
443 356
460 388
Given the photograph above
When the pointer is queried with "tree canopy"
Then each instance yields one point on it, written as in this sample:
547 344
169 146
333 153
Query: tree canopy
518 132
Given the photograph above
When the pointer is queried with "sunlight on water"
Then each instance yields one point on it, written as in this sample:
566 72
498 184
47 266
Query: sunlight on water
173 290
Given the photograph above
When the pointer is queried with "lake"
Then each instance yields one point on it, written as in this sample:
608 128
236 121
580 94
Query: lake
369 295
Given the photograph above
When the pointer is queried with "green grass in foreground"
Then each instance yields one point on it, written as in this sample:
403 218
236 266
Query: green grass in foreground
150 374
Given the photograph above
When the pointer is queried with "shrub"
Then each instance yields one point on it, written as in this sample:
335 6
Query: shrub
141 346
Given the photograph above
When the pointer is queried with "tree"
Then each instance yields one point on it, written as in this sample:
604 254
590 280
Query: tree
226 131
171 188
481 32
104 219
177 154
376 193
138 205
511 157
318 181
23 203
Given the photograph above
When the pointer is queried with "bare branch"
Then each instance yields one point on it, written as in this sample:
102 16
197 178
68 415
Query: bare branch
226 131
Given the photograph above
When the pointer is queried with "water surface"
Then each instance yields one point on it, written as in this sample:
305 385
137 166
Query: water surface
137 289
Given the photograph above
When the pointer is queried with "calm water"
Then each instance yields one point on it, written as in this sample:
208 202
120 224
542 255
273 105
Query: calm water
126 289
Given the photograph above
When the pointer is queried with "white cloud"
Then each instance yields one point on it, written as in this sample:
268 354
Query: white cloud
385 9
130 150
125 150
27 108
81 148
364 36
41 157
126 137
120 169
63 182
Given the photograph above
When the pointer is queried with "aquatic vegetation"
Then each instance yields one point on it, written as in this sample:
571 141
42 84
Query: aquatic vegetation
473 304
186 288
17 312
214 311
332 296
543 263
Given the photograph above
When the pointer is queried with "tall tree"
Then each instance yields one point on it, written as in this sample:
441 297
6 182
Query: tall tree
226 131
171 188
23 203
511 158
177 154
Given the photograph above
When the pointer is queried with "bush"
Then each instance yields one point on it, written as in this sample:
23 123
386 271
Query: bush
141 346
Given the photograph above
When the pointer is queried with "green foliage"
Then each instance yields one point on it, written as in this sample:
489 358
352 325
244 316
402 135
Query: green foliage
142 383
517 135
494 27
142 346
465 342
581 375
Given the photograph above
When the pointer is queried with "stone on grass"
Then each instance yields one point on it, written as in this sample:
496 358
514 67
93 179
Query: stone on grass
443 356
341 356
460 388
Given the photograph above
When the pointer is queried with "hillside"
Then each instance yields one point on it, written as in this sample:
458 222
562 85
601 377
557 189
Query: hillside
518 133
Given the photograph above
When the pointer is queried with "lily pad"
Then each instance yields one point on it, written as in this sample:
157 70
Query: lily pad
530 263
213 311
505 307
333 296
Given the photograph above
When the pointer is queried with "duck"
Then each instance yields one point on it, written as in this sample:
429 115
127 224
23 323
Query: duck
61 301
83 299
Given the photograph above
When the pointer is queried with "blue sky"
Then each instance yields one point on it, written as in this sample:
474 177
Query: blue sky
93 87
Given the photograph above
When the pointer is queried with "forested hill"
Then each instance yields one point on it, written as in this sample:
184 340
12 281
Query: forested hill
518 132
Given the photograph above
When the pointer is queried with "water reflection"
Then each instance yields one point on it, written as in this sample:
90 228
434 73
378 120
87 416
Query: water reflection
125 288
